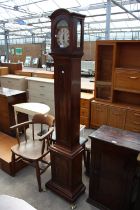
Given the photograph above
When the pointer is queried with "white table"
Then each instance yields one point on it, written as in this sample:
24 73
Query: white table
30 109
11 203
82 128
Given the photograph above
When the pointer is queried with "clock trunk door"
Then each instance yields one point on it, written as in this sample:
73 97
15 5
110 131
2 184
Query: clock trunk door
67 101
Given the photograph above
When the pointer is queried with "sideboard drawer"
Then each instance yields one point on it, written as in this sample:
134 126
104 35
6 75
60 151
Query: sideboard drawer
126 79
14 82
85 103
84 112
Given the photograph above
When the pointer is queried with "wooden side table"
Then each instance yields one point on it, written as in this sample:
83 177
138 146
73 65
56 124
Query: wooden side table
9 97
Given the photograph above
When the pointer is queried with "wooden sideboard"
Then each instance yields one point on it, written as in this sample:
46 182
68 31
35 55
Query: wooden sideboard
15 82
3 70
8 98
117 85
12 67
41 90
36 73
114 172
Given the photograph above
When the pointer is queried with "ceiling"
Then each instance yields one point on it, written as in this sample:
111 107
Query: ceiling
29 18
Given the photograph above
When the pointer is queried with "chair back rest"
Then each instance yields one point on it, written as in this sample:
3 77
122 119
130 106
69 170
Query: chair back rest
41 119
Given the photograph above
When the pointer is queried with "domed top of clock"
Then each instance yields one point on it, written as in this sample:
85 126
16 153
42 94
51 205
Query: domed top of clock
67 33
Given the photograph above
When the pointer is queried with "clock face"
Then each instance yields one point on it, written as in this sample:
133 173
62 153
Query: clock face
63 35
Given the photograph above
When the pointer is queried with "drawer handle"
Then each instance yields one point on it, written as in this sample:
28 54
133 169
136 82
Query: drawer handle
136 114
136 123
98 109
41 94
116 113
133 77
42 86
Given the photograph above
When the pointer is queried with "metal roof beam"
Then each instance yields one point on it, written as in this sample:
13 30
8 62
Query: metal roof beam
126 10
112 13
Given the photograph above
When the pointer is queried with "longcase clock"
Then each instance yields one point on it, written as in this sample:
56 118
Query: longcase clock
67 31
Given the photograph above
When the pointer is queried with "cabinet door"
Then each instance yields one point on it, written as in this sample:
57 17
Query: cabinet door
133 120
99 114
116 117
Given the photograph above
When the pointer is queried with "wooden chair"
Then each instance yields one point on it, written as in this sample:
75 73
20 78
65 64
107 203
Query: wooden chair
35 150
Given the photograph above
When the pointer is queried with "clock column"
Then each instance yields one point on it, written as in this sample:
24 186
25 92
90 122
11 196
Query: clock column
66 154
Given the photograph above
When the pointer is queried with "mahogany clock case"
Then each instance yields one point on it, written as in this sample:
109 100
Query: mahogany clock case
75 34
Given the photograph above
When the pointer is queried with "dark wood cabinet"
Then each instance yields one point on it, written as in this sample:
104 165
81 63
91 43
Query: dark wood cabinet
9 97
114 166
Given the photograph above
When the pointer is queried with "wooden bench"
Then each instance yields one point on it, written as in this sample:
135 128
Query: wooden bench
6 142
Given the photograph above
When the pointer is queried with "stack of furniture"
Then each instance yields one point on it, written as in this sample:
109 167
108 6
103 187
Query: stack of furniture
117 85
14 82
42 90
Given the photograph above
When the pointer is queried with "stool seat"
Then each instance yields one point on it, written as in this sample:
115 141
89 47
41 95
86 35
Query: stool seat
8 202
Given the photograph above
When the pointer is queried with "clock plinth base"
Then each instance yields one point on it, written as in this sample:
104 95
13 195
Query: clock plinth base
66 173
65 193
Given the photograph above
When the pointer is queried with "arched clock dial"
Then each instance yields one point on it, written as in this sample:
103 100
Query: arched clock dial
63 35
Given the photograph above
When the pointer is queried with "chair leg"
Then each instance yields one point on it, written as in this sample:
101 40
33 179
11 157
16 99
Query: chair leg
38 176
13 164
87 161
84 155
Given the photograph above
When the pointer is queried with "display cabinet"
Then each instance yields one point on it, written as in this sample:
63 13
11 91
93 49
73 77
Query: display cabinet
117 85
104 67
